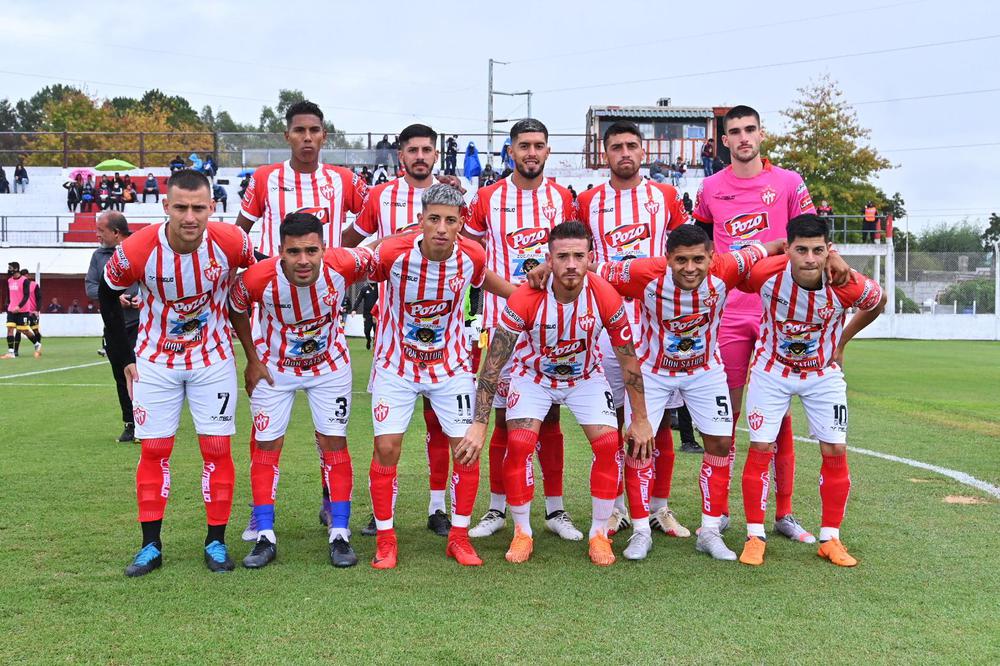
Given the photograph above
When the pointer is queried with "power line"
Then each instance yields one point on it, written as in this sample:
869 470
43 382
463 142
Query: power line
957 145
907 99
749 68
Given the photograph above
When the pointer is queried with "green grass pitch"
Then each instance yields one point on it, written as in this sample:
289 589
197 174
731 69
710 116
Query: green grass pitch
926 589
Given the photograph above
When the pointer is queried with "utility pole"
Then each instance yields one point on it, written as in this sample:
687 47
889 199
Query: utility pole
490 120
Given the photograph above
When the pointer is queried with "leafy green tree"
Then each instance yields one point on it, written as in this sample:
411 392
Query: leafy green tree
980 290
992 233
960 237
31 111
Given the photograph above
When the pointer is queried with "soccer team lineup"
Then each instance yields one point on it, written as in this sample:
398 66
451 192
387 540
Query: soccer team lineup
617 305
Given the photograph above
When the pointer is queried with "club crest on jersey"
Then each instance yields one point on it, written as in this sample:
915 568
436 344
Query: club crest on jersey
627 234
826 312
330 299
687 323
456 283
711 299
747 225
318 213
326 192
381 410
512 399
139 414
549 211
755 419
586 322
652 207
213 271
768 195
428 309
524 239
261 420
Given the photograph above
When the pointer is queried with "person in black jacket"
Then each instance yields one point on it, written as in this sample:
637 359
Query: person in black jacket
368 298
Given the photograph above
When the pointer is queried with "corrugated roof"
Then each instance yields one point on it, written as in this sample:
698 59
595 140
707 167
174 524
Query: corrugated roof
654 112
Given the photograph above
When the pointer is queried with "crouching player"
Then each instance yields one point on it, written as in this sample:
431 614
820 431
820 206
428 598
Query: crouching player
800 351
557 362
299 294
682 297
421 351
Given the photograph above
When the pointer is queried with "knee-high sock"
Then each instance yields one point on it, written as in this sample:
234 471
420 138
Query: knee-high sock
498 451
218 477
834 488
464 486
322 469
784 469
383 485
438 452
732 462
756 484
518 467
264 475
638 476
550 457
714 482
338 474
152 478
606 466
663 463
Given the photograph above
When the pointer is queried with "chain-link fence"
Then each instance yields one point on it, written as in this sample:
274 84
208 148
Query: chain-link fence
945 282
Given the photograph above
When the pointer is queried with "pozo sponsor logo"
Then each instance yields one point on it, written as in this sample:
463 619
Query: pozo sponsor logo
687 323
523 239
799 328
427 309
564 348
627 233
192 304
747 225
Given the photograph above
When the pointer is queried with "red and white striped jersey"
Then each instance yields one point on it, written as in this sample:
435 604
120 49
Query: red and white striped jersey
559 343
679 328
391 208
183 322
300 326
801 328
631 223
423 336
515 224
329 193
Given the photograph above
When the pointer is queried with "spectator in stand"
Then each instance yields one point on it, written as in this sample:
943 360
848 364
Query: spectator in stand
219 195
382 149
209 168
677 172
451 155
869 225
127 181
657 171
152 187
367 300
54 307
20 176
488 176
74 307
90 308
708 157
590 186
177 164
366 174
116 198
717 165
824 209
688 204
104 192
130 195
74 189
87 195
571 191
394 153
381 175
244 184
4 183
118 179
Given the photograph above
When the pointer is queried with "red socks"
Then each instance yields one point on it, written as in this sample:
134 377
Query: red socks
518 467
638 477
152 478
606 468
465 485
834 487
550 458
264 475
756 484
218 477
438 451
383 485
714 482
498 451
663 463
338 474
784 469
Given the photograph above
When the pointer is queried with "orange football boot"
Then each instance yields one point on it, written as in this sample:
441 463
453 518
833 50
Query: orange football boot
520 547
386 550
836 552
600 551
753 551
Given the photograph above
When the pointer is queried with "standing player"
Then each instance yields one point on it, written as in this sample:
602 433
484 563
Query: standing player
800 351
557 362
682 298
512 218
184 269
299 295
32 307
302 184
421 351
394 207
630 217
18 298
749 201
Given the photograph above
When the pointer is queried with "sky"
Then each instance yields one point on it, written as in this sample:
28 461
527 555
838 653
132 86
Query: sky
920 74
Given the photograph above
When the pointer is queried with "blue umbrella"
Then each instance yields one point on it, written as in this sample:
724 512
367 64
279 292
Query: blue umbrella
471 168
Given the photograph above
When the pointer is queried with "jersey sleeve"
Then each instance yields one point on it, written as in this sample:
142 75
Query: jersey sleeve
516 314
734 267
629 278
355 193
475 215
254 199
800 203
239 295
860 292
352 263
613 314
702 213
367 221
385 256
762 272
248 287
570 210
125 267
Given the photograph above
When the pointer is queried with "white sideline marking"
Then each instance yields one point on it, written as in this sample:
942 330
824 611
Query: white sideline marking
30 384
961 477
45 372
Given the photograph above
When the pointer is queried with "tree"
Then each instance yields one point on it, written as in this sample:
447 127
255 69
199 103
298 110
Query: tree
960 237
31 112
992 233
8 116
825 143
895 206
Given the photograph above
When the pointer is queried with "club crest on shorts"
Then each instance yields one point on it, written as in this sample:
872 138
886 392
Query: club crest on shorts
213 271
652 207
330 299
139 414
768 195
380 411
755 419
261 420
512 398
503 386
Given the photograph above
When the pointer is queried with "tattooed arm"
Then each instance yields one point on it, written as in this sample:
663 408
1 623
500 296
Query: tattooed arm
499 352
640 433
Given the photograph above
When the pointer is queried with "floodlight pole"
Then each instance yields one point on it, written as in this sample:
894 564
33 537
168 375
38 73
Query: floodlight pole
490 120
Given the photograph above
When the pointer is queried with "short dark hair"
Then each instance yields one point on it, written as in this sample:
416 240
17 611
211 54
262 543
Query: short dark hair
117 222
571 229
25 272
13 264
417 131
528 125
188 179
739 111
621 127
687 235
807 226
303 108
297 225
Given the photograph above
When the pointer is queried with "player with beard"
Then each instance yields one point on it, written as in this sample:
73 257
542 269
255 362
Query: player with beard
512 219
302 184
394 207
752 201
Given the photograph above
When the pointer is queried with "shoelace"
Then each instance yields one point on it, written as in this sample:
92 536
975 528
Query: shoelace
148 553
217 551
261 546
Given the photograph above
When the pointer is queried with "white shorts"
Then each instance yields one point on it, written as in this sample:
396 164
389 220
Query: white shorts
590 400
613 372
824 399
158 394
452 399
329 398
705 393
